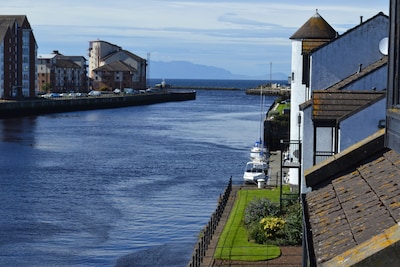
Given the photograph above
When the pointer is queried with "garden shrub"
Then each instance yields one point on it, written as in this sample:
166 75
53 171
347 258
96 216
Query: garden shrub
293 227
259 208
265 224
272 226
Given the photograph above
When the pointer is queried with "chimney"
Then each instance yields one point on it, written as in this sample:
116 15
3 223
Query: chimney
361 19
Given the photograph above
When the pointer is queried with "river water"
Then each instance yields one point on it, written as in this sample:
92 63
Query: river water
120 187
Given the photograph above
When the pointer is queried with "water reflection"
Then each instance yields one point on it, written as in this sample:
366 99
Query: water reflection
18 130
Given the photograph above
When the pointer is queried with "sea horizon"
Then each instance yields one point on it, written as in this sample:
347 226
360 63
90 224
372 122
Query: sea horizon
228 83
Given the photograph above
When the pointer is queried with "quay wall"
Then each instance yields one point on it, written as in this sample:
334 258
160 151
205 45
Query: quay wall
269 91
19 108
204 88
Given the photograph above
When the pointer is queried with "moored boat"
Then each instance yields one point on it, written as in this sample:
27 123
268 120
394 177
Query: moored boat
259 151
255 170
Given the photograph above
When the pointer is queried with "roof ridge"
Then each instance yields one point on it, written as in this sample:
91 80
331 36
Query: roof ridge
359 74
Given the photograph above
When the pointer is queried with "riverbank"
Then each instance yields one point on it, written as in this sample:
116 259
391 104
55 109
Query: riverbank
11 108
290 256
269 91
204 88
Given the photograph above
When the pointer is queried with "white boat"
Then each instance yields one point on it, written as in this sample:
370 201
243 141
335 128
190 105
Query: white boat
259 151
257 168
254 171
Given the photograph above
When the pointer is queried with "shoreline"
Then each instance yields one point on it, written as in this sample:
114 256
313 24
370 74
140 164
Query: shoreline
269 91
204 88
29 107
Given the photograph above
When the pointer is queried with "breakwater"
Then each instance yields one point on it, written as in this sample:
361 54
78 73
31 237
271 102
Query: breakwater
204 88
269 91
10 108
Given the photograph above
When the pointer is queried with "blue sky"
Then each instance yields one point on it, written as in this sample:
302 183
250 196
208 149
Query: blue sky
241 36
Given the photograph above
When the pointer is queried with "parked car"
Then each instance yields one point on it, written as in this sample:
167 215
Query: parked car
130 91
153 90
94 93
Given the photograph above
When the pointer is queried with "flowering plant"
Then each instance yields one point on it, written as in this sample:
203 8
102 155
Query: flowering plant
272 226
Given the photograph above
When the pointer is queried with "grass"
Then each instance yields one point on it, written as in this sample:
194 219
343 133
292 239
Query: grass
233 243
281 107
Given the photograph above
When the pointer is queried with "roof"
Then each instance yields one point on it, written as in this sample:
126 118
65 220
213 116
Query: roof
65 63
129 54
363 72
315 28
21 19
116 66
337 105
46 56
355 204
363 24
9 20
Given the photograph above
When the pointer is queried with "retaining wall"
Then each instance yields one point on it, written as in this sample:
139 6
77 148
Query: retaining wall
43 106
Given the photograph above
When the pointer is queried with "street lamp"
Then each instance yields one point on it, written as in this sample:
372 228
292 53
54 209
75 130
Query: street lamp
119 78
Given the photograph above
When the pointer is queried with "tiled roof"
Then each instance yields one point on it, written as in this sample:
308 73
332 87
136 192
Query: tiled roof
19 18
336 105
355 206
315 28
64 63
116 66
129 54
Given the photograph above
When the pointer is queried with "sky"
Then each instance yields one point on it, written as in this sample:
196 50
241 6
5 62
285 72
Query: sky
247 37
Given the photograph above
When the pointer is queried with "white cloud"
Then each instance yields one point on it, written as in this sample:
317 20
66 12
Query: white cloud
242 36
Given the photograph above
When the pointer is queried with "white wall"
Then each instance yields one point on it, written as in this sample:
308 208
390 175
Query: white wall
377 80
308 140
341 58
361 125
297 97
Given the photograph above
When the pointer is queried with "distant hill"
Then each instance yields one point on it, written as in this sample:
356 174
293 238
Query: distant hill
187 70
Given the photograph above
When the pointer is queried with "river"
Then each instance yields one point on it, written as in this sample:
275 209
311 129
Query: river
120 187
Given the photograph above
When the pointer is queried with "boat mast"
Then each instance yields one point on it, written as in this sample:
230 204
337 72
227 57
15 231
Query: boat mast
261 115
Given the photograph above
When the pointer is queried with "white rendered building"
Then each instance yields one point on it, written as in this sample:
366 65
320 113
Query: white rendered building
323 60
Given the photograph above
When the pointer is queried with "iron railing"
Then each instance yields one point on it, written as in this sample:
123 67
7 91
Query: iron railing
207 233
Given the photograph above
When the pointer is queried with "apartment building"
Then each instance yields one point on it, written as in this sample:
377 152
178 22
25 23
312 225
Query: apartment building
337 90
18 51
112 67
60 73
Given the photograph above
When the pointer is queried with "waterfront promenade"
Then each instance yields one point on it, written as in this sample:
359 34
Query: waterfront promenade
291 256
12 108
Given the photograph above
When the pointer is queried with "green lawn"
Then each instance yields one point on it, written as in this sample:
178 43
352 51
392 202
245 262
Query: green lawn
281 107
233 243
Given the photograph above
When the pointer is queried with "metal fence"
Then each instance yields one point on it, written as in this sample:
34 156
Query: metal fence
208 231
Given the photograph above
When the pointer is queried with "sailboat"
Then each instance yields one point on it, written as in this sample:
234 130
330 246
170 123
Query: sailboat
257 169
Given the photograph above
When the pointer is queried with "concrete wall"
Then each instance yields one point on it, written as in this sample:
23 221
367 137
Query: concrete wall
44 106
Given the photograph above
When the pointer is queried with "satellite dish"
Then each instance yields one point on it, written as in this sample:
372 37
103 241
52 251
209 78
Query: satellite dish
384 46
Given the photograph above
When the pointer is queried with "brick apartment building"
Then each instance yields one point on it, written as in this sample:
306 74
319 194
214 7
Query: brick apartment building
60 73
112 67
18 51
